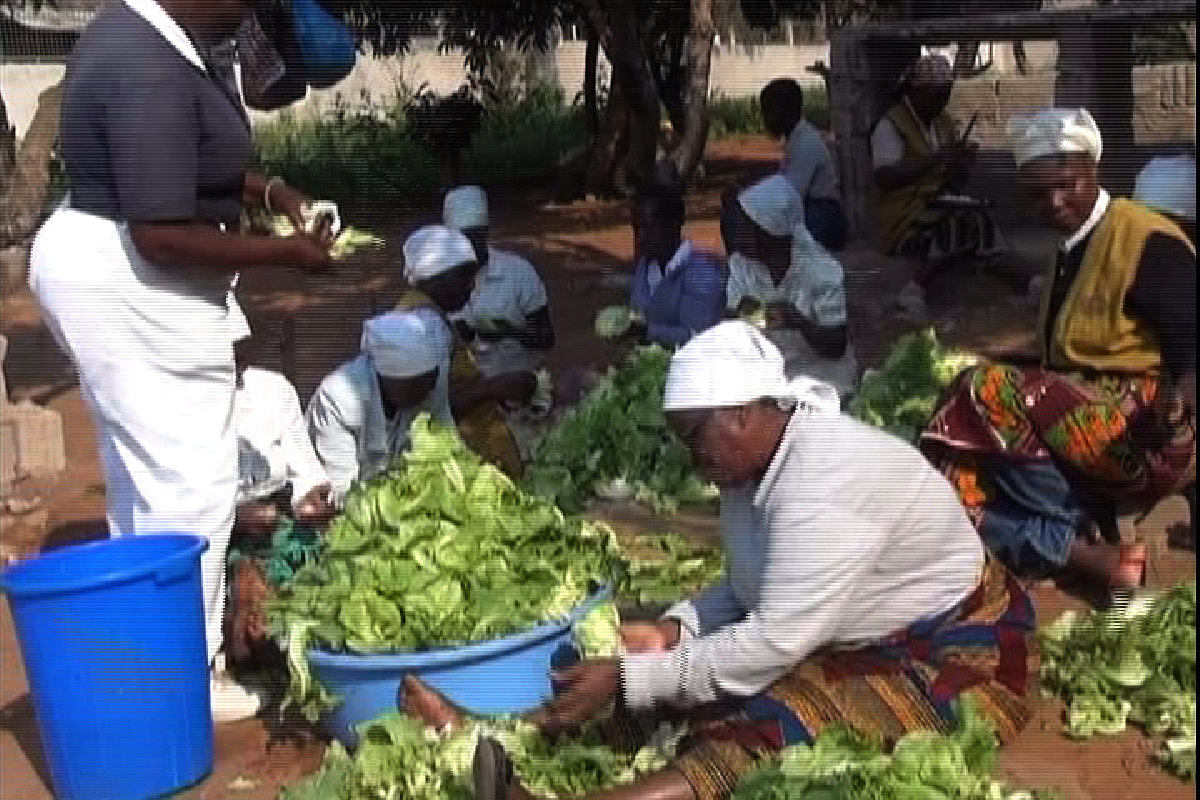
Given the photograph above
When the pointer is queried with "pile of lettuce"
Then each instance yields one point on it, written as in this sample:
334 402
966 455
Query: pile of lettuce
1132 664
902 395
845 765
398 757
665 568
616 441
442 550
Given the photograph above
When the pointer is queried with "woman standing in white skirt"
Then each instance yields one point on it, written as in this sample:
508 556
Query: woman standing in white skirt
134 270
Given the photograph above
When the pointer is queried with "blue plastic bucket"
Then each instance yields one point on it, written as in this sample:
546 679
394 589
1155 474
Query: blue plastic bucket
112 636
502 676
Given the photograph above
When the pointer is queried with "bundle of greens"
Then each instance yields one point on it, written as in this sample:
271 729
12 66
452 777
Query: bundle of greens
901 396
441 551
400 758
665 568
348 242
844 765
618 435
1136 664
614 321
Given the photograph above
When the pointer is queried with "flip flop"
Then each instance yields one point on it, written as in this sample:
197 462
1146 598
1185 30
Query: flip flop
492 770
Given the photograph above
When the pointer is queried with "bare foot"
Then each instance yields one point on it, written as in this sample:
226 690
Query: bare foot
429 706
1130 570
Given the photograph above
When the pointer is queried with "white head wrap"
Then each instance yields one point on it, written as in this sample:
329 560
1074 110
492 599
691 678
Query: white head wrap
774 205
1055 131
1169 185
433 250
465 207
405 344
930 71
732 364
239 326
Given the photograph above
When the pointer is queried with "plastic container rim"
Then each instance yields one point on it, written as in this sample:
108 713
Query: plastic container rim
126 574
472 652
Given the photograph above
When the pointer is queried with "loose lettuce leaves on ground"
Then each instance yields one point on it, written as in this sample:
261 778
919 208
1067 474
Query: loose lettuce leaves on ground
618 433
399 758
1130 665
440 551
845 765
902 395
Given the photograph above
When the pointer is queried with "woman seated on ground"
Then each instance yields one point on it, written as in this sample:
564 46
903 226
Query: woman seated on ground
360 416
678 290
921 168
856 592
1168 186
281 479
777 269
506 322
441 269
807 162
1037 445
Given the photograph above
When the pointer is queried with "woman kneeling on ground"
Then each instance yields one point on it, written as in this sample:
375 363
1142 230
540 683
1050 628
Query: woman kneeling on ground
1040 446
856 592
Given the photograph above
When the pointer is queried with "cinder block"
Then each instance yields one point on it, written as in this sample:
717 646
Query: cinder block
31 442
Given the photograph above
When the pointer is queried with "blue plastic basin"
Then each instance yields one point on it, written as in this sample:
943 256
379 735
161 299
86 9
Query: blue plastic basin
113 641
502 676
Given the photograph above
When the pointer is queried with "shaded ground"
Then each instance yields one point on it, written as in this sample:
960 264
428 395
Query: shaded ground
310 324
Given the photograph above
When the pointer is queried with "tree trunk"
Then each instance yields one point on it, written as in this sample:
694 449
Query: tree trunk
1114 106
24 181
591 69
694 136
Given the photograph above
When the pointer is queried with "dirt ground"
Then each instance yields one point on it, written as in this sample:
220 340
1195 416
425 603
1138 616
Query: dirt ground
310 324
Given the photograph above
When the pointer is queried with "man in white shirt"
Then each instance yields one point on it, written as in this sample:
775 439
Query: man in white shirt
807 162
360 416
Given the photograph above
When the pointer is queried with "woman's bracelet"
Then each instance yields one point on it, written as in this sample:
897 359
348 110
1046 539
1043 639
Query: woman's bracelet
271 184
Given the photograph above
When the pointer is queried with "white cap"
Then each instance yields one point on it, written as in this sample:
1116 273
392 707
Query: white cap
1168 185
1055 131
435 249
733 364
405 344
465 207
773 204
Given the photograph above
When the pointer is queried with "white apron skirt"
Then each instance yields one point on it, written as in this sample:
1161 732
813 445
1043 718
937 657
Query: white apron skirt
801 360
155 361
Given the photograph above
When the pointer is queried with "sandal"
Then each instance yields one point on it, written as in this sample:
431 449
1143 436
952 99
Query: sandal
492 770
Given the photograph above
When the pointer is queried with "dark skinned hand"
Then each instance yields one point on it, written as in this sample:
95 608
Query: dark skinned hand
586 690
290 202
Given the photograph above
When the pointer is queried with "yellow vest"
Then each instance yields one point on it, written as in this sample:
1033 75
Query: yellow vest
899 207
484 430
1092 331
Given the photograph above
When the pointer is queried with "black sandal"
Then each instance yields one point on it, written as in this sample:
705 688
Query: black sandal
493 771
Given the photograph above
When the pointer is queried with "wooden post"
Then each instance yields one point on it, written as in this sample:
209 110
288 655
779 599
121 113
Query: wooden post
851 112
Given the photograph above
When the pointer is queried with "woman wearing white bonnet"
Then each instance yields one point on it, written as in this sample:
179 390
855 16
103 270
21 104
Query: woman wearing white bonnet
1048 444
1168 185
359 417
783 280
835 534
506 322
441 268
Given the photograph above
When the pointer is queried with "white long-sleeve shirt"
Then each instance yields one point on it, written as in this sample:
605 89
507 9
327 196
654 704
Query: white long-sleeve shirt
273 445
351 433
850 536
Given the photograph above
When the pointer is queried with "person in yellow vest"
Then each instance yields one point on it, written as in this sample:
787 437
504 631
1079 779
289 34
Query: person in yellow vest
441 267
921 164
1105 412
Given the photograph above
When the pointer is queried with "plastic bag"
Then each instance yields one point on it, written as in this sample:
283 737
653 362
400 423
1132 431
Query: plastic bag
327 45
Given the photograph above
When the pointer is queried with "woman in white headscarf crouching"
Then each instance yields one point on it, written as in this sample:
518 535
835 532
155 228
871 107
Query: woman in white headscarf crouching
856 591
360 416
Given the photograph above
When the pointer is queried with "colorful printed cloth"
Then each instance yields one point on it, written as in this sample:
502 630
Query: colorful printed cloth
911 681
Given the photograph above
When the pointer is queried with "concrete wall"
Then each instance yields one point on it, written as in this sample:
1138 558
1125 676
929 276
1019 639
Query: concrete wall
737 70
1165 110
